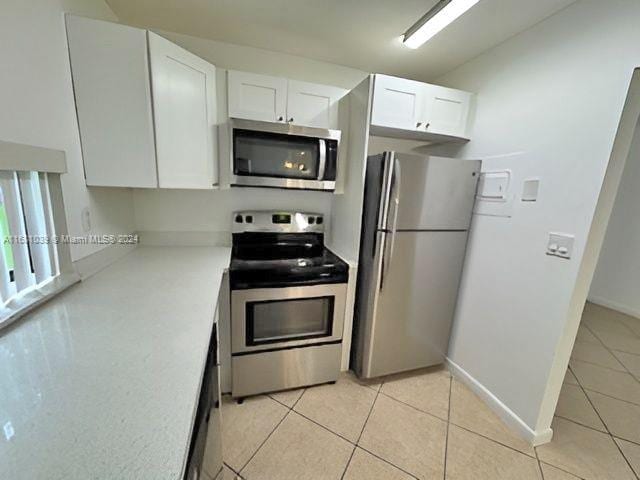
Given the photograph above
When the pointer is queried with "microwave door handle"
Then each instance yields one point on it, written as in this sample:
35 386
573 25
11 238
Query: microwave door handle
322 158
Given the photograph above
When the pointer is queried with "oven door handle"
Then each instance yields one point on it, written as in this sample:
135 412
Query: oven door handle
322 158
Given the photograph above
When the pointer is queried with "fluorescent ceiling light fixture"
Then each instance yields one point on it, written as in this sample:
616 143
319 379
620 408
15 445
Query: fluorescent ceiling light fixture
435 20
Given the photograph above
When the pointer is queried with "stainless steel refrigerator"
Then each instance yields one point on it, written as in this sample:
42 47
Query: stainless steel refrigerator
415 221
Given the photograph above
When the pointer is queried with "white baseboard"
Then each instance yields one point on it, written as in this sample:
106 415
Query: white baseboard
614 306
505 413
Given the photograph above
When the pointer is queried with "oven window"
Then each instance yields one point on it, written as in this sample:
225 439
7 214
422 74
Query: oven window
277 321
266 154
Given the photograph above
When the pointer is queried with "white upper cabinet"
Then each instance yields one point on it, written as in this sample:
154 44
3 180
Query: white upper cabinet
139 126
397 103
113 100
275 99
257 97
411 109
185 116
447 110
313 105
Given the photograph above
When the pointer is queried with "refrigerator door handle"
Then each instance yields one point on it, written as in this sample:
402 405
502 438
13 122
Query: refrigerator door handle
387 179
395 201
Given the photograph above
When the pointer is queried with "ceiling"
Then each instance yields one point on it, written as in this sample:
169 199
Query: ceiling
363 34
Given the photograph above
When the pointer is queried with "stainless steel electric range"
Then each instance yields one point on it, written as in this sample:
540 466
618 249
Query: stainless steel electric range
288 296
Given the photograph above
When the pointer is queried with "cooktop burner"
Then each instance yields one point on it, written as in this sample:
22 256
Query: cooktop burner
280 250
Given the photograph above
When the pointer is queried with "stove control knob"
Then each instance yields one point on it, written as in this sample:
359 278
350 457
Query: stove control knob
238 218
312 220
319 220
248 219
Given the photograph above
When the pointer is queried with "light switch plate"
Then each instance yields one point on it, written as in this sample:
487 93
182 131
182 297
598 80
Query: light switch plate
560 245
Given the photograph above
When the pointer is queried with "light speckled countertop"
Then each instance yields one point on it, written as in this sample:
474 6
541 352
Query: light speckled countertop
102 381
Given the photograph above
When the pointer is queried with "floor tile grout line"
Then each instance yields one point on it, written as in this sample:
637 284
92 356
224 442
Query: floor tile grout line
446 438
455 424
265 441
467 429
449 421
614 352
584 392
324 427
280 403
631 330
291 410
386 461
624 370
605 426
284 404
610 350
413 407
355 445
581 424
346 467
610 396
539 465
236 473
635 442
304 390
542 462
373 404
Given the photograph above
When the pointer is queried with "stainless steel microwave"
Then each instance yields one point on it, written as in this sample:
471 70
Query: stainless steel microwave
282 155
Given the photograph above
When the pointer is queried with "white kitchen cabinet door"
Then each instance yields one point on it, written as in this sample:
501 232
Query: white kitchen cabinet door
257 97
397 103
110 72
313 105
446 111
184 94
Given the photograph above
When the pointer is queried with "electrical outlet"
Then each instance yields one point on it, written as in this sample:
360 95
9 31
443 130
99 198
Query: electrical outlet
560 245
86 219
530 189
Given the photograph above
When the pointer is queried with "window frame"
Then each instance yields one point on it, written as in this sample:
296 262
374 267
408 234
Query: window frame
50 165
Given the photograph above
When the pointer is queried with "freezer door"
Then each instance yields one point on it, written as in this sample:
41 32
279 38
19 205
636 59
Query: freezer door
414 301
431 193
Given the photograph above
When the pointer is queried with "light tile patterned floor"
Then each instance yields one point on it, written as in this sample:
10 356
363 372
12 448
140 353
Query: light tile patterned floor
426 425
597 424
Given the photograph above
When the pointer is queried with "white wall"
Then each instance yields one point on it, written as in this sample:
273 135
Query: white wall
38 107
617 278
551 96
209 212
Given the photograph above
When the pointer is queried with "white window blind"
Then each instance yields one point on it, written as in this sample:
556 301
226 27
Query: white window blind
35 262
28 255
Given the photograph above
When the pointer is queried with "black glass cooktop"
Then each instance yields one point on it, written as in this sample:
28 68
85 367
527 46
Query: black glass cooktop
267 260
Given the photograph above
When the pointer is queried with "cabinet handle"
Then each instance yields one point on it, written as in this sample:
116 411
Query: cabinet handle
291 119
418 124
280 119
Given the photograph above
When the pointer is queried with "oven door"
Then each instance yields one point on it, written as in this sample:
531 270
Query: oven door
275 318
